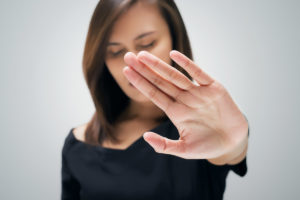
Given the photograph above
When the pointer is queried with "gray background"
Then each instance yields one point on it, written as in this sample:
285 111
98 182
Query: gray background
252 47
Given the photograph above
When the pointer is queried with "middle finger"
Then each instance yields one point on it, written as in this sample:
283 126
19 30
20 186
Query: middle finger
168 72
153 77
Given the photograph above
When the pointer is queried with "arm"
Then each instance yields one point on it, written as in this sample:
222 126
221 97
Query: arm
70 187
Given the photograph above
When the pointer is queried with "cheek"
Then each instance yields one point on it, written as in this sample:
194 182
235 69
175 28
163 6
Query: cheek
162 50
115 68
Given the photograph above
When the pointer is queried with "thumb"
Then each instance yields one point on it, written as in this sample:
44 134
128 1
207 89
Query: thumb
164 145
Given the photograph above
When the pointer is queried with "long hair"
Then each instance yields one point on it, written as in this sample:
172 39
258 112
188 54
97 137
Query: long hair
108 98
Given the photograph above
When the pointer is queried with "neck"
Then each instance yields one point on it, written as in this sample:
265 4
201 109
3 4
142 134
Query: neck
144 111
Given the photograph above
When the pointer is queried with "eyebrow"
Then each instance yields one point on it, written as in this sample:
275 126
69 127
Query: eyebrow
136 38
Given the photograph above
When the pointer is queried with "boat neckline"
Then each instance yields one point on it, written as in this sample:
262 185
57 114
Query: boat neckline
113 150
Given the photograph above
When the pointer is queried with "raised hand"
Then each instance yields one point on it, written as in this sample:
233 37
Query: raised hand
209 123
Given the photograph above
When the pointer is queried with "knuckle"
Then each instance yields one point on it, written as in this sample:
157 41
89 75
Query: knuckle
221 90
177 95
198 72
152 93
138 81
168 107
157 81
173 75
186 63
156 63
190 87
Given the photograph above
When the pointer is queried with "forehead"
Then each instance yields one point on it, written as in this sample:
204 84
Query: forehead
140 18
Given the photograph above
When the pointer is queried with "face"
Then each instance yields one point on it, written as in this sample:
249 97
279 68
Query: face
140 28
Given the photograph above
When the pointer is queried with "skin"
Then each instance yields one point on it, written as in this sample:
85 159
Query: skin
209 123
133 123
154 36
159 43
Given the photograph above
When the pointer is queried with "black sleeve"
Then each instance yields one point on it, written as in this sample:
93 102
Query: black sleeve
70 187
222 170
216 175
240 168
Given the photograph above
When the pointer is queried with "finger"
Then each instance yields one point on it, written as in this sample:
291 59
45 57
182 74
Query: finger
164 145
168 72
196 72
157 80
154 94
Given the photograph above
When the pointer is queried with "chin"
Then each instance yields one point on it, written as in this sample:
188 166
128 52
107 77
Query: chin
140 98
135 95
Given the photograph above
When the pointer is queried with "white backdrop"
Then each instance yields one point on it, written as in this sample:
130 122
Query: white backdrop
252 47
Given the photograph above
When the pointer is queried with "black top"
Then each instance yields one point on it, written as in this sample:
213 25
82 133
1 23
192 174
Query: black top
138 172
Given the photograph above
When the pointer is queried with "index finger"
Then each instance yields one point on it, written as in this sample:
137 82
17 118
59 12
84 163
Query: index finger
170 73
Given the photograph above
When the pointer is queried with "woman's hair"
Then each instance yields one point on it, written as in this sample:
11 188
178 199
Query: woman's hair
108 98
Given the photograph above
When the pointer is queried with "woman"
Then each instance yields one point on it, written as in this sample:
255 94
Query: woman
163 128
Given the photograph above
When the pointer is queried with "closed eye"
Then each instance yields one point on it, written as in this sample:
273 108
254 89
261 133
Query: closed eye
148 45
117 53
142 46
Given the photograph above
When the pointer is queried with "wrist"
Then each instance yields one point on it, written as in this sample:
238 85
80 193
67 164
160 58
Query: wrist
235 156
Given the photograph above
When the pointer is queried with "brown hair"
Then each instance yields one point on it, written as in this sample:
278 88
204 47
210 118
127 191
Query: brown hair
108 98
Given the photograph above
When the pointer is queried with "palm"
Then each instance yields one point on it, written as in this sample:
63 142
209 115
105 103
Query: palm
208 121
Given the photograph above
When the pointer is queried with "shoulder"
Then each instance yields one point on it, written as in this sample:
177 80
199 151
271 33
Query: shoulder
79 132
75 134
